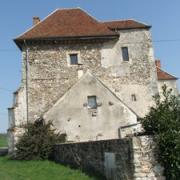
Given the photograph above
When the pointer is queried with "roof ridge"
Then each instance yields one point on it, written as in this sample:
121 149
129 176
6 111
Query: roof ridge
123 20
68 8
114 20
93 17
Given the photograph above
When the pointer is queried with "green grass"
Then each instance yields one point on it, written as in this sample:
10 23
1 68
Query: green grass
3 140
38 170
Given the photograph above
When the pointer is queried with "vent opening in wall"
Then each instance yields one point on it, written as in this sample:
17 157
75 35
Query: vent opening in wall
92 102
133 97
125 53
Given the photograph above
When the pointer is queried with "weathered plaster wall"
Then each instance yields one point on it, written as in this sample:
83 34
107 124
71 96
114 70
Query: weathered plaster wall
171 84
138 76
72 116
50 76
17 117
122 159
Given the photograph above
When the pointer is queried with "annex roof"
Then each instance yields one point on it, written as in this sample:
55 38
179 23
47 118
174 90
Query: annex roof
162 75
126 24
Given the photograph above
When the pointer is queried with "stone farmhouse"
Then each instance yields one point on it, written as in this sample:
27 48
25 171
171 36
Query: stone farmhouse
166 78
93 79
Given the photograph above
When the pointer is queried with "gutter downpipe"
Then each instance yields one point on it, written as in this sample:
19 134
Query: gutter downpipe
26 71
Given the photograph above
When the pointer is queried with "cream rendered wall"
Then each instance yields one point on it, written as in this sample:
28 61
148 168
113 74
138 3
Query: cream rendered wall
71 115
138 76
171 84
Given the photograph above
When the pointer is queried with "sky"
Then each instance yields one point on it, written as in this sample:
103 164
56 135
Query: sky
16 17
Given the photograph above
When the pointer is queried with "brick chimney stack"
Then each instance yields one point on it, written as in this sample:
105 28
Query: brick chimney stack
36 20
158 63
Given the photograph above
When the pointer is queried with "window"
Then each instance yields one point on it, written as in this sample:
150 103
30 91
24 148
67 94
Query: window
125 54
133 97
73 59
92 103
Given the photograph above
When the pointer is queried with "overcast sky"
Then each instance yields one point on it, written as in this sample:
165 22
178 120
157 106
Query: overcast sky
16 17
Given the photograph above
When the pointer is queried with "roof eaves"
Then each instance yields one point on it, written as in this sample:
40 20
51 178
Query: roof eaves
110 36
147 27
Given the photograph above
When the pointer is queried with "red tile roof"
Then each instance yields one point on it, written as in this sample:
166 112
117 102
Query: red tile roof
162 75
125 24
70 23
67 23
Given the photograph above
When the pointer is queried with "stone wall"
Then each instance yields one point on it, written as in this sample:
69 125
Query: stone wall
17 118
122 159
72 116
90 156
138 76
50 76
146 166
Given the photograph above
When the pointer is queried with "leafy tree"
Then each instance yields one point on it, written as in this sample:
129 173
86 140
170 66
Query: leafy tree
163 121
38 140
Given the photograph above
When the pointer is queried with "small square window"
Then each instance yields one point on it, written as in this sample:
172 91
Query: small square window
125 54
92 103
73 59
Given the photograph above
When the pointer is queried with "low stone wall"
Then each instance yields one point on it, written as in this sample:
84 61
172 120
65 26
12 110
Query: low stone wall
90 156
119 159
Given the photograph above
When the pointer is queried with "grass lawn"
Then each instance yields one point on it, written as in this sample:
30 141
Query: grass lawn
38 170
3 140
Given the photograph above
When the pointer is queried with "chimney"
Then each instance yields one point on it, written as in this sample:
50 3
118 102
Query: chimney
36 20
158 63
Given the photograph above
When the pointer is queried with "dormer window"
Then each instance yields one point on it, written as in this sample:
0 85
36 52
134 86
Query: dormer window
73 59
125 54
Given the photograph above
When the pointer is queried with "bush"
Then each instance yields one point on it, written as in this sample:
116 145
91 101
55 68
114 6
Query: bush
163 121
37 141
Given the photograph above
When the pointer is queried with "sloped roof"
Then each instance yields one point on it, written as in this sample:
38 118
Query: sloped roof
162 75
71 23
125 24
67 23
